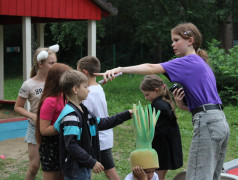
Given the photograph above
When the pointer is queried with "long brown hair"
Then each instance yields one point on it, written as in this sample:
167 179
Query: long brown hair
151 82
187 30
51 89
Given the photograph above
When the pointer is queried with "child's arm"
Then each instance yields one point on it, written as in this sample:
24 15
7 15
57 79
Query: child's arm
46 129
112 121
19 108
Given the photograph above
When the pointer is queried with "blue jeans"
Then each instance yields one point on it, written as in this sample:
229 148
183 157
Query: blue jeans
82 174
208 146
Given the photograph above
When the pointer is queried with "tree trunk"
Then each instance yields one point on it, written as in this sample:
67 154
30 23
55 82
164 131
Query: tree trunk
228 35
225 29
157 52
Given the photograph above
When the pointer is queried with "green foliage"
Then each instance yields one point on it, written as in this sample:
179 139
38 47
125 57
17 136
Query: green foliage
11 87
225 67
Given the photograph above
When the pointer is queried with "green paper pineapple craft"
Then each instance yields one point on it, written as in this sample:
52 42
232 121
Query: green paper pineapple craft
145 120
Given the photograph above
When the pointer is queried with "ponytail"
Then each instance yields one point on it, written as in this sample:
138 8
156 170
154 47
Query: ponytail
33 70
202 54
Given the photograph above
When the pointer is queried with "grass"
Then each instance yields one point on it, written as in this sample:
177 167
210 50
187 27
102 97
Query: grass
121 94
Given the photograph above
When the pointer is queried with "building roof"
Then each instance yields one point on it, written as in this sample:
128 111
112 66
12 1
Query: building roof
11 11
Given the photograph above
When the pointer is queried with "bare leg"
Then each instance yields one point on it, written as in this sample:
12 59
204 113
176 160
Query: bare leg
161 174
112 174
51 175
34 161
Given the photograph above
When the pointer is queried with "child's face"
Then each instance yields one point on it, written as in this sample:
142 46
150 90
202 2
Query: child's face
149 173
151 95
82 91
180 45
49 62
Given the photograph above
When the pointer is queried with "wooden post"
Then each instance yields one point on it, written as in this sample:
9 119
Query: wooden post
40 34
26 38
92 38
1 64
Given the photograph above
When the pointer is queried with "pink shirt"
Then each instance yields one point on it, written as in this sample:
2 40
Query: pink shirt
51 108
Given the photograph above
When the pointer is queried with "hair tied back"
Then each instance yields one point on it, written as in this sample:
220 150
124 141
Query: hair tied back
44 54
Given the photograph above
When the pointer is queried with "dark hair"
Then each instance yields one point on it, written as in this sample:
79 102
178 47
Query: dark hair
90 64
70 79
51 88
187 30
35 62
151 82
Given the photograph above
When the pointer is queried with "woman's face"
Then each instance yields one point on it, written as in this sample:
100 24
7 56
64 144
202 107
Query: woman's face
180 45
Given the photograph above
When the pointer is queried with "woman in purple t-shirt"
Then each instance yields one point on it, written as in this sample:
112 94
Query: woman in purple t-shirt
211 130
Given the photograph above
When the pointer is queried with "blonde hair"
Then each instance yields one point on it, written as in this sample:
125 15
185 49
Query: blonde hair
70 79
151 82
187 30
34 68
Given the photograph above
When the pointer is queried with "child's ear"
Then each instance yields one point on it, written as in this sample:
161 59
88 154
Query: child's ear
85 72
191 40
74 90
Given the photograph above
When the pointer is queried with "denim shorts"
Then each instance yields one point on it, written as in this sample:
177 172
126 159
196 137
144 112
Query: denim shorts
82 174
107 159
30 137
208 146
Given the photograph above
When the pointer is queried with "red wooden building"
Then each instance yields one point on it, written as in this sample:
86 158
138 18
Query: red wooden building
26 12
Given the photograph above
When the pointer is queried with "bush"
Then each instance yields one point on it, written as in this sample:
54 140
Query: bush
225 68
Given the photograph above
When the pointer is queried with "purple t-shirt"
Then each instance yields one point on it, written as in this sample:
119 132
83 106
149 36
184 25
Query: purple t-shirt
197 78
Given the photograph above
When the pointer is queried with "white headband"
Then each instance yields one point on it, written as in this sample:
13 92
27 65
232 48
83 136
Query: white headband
44 54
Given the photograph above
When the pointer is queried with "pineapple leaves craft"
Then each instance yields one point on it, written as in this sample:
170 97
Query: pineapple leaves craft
144 121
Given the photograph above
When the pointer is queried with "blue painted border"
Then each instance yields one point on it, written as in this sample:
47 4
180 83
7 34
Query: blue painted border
12 130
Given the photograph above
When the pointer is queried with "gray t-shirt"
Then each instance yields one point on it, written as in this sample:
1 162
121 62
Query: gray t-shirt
32 91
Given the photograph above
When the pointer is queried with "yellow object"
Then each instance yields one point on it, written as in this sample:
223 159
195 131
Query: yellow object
145 158
145 121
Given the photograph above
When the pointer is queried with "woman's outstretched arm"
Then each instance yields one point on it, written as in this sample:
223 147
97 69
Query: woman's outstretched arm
137 69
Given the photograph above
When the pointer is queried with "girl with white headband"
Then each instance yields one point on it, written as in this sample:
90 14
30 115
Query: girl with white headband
31 90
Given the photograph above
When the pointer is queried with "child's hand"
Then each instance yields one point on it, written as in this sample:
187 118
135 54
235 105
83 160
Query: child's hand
98 167
131 111
139 173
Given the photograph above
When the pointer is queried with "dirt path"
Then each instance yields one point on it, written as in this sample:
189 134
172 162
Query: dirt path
14 148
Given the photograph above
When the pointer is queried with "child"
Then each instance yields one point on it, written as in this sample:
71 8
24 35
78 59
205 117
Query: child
31 90
191 70
138 173
97 104
167 140
78 129
50 106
